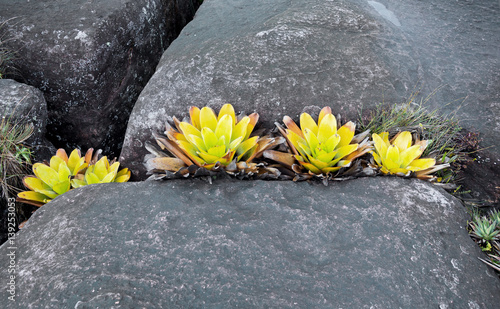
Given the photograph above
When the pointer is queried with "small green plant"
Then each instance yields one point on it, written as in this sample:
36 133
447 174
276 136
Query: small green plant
64 173
484 228
15 156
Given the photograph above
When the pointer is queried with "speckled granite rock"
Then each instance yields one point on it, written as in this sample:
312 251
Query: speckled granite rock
366 243
91 59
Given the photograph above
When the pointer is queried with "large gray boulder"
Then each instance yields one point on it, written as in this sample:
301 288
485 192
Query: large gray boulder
367 243
25 104
91 59
282 57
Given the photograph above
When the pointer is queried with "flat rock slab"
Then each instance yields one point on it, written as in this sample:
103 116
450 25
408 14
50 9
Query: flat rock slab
367 243
91 59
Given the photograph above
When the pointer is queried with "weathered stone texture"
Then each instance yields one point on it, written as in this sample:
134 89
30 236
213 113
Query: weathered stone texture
379 242
91 59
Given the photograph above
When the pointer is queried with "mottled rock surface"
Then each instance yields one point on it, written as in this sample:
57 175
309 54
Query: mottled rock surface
26 104
367 243
91 59
283 57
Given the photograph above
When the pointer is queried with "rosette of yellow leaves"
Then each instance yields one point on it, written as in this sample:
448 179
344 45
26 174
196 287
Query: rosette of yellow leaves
399 157
322 147
209 140
53 179
62 173
101 172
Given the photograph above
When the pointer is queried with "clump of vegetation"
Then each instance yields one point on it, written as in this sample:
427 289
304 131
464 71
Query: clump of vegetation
15 156
443 133
64 173
319 148
7 56
209 142
399 157
485 230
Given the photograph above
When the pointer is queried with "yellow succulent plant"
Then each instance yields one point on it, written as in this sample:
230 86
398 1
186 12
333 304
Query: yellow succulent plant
399 157
209 140
59 176
101 172
321 147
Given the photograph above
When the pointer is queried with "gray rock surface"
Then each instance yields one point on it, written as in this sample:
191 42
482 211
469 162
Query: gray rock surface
26 104
368 243
283 57
91 59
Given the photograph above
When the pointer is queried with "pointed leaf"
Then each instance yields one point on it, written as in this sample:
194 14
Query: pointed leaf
240 130
188 129
393 155
346 133
64 173
327 128
33 196
331 143
225 128
61 153
292 126
312 140
421 164
345 151
403 140
246 146
253 121
325 111
91 178
194 114
409 155
227 109
380 145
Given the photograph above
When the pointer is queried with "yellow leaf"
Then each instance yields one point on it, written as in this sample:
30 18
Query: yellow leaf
403 140
225 128
253 121
331 143
380 145
91 178
246 146
46 174
345 151
292 126
312 140
33 196
208 118
307 122
325 111
188 129
346 133
327 128
421 164
393 155
209 137
240 130
194 114
409 155
55 162
62 187
227 109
